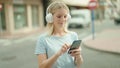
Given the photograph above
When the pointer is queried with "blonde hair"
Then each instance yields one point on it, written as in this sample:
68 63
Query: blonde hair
51 9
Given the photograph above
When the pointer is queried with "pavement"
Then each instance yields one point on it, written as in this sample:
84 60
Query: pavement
107 40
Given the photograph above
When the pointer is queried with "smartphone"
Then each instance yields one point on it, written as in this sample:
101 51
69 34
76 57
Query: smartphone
75 44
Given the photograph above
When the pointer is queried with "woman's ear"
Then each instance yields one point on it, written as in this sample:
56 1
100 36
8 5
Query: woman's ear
49 18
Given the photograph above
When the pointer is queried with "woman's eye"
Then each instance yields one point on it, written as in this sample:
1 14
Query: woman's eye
58 16
65 16
61 16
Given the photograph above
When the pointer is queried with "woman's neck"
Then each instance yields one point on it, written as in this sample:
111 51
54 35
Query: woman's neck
59 32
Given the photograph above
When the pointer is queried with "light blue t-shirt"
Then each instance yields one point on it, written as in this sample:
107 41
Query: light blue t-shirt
51 44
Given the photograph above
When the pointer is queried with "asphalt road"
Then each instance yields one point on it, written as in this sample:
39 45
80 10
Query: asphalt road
19 53
94 58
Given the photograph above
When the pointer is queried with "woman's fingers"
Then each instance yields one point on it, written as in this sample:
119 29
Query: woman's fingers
75 52
64 48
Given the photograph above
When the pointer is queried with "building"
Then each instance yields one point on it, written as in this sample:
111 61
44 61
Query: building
112 8
20 17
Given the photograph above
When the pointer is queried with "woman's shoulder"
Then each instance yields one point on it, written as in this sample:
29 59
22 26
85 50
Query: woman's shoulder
42 36
73 35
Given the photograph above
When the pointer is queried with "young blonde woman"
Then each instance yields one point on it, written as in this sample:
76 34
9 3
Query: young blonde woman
52 46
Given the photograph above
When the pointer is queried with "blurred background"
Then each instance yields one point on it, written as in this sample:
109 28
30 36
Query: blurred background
22 21
21 17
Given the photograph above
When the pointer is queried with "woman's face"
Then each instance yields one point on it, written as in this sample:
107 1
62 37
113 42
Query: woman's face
60 18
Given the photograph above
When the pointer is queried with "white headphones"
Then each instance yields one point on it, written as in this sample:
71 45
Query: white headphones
49 16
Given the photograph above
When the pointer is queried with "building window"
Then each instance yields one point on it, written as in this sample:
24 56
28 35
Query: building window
20 17
2 18
35 16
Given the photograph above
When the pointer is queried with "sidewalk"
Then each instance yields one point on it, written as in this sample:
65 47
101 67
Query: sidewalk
107 40
20 38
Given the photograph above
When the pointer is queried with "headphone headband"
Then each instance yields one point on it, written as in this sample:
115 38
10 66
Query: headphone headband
49 16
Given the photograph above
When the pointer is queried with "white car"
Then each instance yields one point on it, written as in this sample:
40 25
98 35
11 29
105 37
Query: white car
81 17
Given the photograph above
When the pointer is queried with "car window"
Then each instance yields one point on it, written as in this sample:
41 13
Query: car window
79 15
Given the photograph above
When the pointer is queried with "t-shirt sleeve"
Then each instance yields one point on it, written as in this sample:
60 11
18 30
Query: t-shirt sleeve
40 46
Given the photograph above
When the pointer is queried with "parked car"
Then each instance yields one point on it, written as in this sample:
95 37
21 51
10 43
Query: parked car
116 17
81 17
117 20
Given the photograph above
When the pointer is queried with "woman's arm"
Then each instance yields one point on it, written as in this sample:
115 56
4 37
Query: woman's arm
45 62
78 61
78 57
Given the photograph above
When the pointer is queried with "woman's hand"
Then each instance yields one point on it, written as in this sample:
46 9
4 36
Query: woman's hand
75 52
63 49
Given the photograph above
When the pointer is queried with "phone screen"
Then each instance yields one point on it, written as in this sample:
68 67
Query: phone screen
75 45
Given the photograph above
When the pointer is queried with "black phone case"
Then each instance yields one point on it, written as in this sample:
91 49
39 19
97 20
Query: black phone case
75 45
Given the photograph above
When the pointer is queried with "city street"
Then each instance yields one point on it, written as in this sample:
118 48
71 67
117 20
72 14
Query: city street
19 53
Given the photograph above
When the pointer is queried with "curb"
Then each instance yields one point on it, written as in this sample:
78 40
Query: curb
101 50
97 49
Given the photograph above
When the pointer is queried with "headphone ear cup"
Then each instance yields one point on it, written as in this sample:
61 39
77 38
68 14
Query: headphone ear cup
68 17
49 18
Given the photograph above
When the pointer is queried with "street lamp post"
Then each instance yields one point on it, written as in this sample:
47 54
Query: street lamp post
92 5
